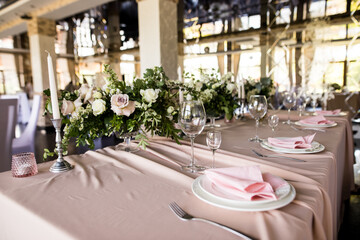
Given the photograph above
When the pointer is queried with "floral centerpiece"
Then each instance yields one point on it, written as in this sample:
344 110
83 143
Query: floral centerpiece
147 104
218 94
264 86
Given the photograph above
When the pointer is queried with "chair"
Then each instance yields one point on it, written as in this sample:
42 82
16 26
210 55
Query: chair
26 142
23 108
8 109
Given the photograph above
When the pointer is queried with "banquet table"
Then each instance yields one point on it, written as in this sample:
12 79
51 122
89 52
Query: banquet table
112 194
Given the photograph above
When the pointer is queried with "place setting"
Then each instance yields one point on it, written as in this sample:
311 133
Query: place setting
318 121
330 113
295 145
243 189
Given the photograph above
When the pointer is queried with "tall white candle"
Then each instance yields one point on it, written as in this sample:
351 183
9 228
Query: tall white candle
242 89
181 94
179 72
53 90
239 89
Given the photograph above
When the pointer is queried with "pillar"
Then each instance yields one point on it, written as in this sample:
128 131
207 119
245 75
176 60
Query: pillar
180 33
70 50
42 37
263 39
114 26
158 35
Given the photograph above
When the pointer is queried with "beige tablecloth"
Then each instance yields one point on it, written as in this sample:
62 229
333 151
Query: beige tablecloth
112 194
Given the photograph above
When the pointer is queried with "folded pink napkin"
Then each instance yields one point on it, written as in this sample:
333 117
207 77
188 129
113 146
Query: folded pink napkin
329 112
320 120
293 142
245 182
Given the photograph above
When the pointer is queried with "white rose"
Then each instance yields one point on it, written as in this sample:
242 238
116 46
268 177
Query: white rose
188 97
198 86
83 90
230 87
67 107
78 103
98 107
89 97
170 110
216 85
150 95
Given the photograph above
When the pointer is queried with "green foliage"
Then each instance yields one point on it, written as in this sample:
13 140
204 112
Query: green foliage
218 94
335 86
85 124
264 86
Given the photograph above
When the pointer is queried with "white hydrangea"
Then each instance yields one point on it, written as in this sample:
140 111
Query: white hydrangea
207 95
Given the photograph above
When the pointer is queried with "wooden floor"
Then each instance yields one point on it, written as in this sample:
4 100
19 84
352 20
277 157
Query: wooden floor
350 228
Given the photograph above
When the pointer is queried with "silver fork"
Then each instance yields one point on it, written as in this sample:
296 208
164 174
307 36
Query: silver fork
277 156
185 216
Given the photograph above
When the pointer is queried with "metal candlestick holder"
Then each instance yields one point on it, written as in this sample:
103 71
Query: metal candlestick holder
60 165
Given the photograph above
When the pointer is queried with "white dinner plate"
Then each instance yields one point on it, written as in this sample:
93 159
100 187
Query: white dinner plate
200 186
340 114
315 148
315 125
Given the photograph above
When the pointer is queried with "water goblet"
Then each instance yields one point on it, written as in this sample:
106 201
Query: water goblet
257 108
301 109
289 102
273 122
213 140
192 119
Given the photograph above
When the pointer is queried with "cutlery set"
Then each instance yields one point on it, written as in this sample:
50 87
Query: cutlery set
308 129
276 156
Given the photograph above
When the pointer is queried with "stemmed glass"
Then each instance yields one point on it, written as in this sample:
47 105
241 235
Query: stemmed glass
289 102
213 140
192 119
304 100
273 122
257 108
314 98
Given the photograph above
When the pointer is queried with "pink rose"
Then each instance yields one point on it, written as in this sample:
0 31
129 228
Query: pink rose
67 107
121 105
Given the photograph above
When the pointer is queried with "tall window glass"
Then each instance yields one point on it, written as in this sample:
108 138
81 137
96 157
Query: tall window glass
258 109
192 119
289 102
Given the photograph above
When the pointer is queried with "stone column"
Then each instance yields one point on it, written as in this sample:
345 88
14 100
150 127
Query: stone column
70 50
158 35
114 26
42 37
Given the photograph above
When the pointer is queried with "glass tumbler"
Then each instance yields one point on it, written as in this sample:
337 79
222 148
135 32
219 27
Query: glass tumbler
23 165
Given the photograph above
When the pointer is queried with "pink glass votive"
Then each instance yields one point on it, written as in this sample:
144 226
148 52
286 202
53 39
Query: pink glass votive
23 165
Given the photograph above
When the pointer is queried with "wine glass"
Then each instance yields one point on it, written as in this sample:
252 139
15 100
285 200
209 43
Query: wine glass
289 102
257 108
273 122
192 119
213 140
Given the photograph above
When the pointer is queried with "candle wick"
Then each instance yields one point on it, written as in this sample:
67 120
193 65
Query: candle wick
47 52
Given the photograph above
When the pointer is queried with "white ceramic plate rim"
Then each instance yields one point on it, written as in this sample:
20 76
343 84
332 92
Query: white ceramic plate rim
204 183
240 206
316 125
341 114
316 147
